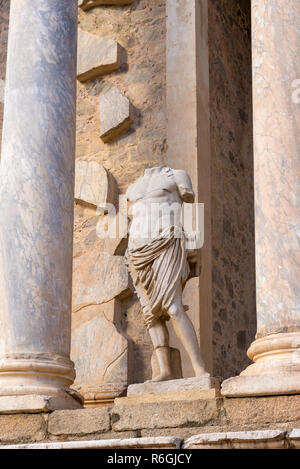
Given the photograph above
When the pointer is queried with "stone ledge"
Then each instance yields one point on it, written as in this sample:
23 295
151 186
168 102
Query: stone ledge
130 443
266 439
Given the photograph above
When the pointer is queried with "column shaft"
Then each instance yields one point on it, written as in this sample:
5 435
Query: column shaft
276 65
36 200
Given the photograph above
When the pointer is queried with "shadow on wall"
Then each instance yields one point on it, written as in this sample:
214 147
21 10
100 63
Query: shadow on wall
234 308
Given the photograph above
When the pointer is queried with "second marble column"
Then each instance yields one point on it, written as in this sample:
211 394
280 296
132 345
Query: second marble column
276 67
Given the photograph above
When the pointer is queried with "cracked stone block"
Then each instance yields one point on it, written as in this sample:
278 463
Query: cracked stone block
91 183
96 56
87 4
115 114
98 278
100 353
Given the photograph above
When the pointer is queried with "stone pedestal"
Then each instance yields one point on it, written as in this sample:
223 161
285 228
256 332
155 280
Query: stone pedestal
176 385
276 63
36 207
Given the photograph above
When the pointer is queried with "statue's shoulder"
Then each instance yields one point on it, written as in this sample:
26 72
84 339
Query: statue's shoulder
184 185
131 191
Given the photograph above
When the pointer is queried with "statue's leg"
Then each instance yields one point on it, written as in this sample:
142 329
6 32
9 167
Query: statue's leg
185 331
160 338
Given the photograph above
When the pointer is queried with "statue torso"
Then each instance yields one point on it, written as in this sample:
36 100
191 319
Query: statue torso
155 205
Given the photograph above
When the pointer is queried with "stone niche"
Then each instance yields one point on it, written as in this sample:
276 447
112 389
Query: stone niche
87 4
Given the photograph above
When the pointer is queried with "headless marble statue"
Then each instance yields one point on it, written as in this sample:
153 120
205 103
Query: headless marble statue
157 260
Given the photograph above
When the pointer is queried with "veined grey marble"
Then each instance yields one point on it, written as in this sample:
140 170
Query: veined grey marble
276 350
36 199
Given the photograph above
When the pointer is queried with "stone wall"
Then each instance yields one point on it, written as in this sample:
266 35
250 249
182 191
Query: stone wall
182 416
234 314
139 29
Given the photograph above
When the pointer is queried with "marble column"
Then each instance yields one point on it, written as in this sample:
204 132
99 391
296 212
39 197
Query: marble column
276 66
36 207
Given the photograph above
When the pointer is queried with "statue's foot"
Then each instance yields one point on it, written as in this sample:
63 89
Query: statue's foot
160 377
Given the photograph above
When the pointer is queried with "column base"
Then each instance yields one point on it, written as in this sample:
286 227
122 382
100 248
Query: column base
275 371
37 383
36 403
262 385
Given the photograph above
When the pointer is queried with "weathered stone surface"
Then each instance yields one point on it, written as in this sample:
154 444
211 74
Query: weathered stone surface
98 278
245 411
130 443
87 4
96 56
177 385
22 428
268 439
294 438
91 183
80 422
115 114
100 353
191 395
263 384
2 87
34 403
190 412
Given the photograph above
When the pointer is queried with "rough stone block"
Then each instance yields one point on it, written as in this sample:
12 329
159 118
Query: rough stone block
91 183
100 354
87 4
268 439
115 114
96 56
262 410
22 427
168 414
79 422
98 278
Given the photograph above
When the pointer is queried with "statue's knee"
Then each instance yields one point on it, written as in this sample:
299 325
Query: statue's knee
174 311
